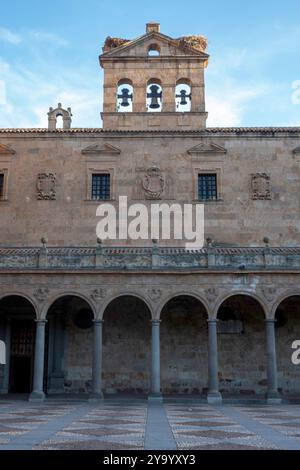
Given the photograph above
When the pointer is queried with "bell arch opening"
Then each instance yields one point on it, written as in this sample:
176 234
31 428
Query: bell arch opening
124 98
154 96
183 96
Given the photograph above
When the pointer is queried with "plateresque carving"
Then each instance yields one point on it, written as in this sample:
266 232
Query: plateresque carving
41 294
46 186
153 183
260 186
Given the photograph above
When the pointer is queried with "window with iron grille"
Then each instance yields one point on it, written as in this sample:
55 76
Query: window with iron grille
100 186
1 185
207 186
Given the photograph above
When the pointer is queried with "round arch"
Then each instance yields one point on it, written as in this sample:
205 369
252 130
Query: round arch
23 296
181 294
285 296
113 297
60 295
241 294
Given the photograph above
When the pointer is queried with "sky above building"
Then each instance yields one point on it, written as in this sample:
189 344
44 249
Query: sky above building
49 54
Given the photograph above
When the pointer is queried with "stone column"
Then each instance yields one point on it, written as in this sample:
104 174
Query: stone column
39 354
155 393
97 362
56 379
272 393
213 396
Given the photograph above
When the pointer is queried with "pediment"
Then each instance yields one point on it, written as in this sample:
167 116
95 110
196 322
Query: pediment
169 46
207 149
101 149
6 150
296 151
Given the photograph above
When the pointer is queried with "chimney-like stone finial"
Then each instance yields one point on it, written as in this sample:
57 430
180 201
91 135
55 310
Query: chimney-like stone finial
150 27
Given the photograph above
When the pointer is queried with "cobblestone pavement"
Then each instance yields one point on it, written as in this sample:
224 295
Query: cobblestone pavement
137 424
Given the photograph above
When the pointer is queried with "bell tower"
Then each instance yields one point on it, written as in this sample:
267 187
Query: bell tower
154 82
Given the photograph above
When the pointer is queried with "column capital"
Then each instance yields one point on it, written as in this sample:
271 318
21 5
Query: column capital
155 321
212 320
270 320
98 321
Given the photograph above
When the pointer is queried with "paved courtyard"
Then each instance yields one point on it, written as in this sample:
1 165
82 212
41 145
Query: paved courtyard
137 424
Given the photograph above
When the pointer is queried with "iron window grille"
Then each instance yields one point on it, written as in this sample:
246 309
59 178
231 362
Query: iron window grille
207 187
100 186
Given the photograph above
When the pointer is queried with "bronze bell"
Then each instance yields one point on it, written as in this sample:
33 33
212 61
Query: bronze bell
154 95
125 96
183 97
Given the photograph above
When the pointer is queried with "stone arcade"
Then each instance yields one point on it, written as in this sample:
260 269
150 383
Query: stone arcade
80 316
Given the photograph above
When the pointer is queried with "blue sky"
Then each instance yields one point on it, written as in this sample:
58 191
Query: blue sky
49 53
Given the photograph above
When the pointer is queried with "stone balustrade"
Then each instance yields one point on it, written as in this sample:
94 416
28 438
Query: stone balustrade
150 258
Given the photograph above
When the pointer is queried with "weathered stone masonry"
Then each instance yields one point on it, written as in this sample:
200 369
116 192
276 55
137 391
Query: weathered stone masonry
80 316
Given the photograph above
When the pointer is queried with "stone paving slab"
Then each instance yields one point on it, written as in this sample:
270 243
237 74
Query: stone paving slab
139 424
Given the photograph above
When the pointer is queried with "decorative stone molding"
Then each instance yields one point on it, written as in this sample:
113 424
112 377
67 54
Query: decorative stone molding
6 150
206 148
211 294
260 186
155 294
105 149
269 292
98 294
296 151
41 294
46 186
153 183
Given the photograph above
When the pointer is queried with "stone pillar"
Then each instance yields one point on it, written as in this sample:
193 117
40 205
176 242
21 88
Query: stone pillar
38 374
155 393
56 378
272 393
213 395
97 362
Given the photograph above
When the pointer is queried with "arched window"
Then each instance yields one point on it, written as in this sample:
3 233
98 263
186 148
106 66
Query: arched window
183 96
124 96
153 50
154 96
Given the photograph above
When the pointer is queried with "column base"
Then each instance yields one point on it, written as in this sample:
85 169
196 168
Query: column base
96 397
273 398
214 398
155 398
37 397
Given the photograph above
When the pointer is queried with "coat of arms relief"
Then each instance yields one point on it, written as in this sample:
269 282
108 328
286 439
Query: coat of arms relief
153 183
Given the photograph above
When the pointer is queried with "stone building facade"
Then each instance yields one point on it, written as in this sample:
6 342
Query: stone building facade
139 316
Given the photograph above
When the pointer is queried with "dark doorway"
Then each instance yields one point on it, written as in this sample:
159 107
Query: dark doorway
22 354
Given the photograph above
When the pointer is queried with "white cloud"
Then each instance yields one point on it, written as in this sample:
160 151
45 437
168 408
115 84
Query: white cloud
50 38
8 36
229 108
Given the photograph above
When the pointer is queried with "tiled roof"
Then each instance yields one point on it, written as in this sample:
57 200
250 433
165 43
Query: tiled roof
209 130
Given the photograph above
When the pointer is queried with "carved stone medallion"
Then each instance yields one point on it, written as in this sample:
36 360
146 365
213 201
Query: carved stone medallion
153 183
46 186
260 186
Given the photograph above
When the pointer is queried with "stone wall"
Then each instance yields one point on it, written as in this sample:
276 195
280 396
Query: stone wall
242 355
235 219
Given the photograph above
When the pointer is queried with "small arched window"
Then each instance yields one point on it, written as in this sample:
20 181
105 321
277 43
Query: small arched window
153 50
154 96
124 96
183 96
